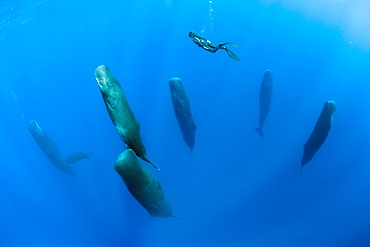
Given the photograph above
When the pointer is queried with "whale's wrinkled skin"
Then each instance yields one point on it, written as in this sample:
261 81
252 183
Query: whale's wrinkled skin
49 148
142 184
120 112
181 106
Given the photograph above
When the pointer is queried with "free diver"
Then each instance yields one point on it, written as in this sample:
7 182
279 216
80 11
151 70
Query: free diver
208 46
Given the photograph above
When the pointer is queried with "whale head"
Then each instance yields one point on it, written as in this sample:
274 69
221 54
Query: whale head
330 106
268 72
175 84
103 76
267 76
109 87
34 127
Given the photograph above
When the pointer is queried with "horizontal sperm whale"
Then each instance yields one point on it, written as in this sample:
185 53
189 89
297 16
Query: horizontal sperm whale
181 106
320 132
49 148
120 112
142 185
264 100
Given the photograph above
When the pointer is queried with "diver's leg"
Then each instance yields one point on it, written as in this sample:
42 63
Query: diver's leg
216 49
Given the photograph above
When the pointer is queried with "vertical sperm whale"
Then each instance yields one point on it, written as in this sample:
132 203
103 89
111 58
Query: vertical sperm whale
319 133
120 112
264 100
181 106
142 185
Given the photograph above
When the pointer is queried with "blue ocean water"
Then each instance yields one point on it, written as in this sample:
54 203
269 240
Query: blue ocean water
235 188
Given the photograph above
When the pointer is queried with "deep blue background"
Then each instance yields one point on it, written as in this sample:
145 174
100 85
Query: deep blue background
235 188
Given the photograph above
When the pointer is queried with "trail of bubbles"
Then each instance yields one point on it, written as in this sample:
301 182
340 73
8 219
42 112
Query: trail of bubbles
210 17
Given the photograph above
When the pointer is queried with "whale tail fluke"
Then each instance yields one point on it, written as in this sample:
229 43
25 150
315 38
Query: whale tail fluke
89 155
145 158
259 131
190 146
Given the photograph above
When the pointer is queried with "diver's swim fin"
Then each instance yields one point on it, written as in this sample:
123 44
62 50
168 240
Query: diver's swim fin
229 43
232 55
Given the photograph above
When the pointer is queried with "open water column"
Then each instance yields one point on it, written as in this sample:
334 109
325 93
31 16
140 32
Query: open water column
218 123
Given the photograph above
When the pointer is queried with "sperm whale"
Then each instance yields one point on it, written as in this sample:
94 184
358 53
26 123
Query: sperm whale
49 148
181 106
264 100
319 133
120 112
142 185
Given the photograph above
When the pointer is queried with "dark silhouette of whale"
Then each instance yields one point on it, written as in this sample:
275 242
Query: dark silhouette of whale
319 133
264 100
142 185
182 110
52 152
120 112
75 157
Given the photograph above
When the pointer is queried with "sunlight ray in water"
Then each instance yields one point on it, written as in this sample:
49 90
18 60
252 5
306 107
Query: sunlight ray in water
351 17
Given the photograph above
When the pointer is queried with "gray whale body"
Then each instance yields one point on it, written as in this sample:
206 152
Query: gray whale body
181 106
264 100
49 148
320 132
120 112
142 184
